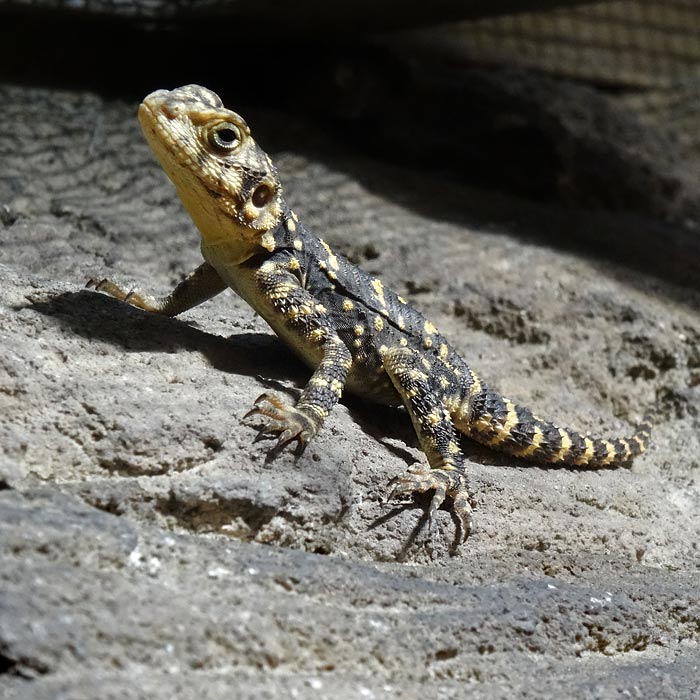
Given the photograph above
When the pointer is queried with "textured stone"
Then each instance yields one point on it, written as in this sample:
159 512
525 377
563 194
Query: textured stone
149 550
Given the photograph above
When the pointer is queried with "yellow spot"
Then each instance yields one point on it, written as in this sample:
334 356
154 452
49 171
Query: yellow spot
268 266
331 257
427 343
357 342
292 311
291 226
640 442
317 335
359 330
434 417
452 403
401 323
452 448
318 410
611 452
294 216
475 387
281 291
410 393
267 241
337 387
442 354
483 423
562 453
298 244
401 299
383 349
534 445
444 382
293 264
403 342
320 308
378 323
626 445
463 410
425 363
379 290
332 275
348 305
322 265
430 328
417 375
305 309
585 458
503 430
318 381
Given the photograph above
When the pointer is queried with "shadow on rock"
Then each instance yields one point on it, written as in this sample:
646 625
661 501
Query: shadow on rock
98 317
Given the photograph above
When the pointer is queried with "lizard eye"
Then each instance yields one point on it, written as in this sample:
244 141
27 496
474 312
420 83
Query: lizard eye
224 137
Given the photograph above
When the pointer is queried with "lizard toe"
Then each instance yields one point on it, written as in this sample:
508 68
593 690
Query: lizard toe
288 422
445 483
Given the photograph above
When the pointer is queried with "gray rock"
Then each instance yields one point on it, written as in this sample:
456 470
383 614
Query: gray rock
148 548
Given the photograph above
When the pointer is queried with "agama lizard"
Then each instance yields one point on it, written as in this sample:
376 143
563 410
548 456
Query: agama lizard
354 332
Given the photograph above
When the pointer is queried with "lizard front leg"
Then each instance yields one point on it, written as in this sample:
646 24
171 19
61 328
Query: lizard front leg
425 402
317 340
201 284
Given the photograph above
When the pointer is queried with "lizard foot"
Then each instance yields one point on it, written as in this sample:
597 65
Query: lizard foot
444 482
289 421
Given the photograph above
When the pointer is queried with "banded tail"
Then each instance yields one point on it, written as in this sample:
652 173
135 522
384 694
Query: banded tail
499 423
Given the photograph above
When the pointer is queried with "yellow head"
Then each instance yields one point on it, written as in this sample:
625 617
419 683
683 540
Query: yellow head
225 180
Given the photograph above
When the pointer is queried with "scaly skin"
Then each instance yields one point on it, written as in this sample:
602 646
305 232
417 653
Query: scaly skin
354 332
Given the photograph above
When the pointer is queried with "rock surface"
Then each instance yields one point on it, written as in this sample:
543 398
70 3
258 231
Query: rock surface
148 548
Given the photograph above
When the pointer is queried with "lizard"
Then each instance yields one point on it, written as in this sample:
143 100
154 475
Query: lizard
355 333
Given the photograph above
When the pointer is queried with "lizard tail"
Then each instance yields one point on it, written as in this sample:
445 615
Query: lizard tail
499 423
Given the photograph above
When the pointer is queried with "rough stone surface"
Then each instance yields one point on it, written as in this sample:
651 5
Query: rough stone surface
149 550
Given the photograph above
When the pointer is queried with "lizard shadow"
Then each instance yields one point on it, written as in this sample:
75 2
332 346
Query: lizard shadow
99 317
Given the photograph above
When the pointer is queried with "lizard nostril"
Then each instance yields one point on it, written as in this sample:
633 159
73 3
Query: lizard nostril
168 111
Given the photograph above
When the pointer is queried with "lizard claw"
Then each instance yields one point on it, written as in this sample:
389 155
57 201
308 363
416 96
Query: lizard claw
443 482
289 422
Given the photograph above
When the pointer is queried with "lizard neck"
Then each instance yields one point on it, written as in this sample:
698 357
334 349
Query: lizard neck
228 247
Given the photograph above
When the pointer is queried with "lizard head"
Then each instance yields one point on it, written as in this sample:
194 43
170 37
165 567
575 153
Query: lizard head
225 180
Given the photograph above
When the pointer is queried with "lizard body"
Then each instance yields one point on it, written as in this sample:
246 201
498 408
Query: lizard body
355 333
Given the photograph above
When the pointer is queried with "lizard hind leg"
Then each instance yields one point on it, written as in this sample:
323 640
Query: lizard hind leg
425 403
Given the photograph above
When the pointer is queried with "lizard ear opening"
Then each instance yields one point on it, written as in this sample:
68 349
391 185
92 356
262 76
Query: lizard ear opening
261 209
262 194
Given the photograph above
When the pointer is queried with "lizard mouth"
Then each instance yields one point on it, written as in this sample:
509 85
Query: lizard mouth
163 131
